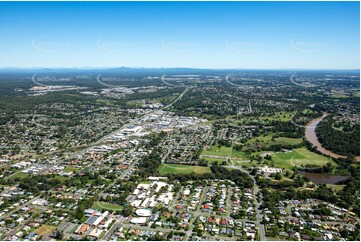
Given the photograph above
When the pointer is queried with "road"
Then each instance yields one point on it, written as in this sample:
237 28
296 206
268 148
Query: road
79 150
177 99
135 121
117 224
9 234
262 232
19 207
122 176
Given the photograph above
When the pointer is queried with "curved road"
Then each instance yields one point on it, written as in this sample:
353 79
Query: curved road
262 232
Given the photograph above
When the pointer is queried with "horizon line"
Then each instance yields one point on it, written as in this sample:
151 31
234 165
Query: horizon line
195 68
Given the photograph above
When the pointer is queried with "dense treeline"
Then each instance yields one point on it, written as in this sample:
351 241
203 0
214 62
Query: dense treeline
240 178
287 129
338 141
36 184
303 118
151 162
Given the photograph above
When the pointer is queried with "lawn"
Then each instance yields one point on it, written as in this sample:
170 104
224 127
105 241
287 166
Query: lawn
279 116
266 140
218 151
299 157
44 230
70 168
212 160
182 169
222 153
61 178
335 188
106 206
19 175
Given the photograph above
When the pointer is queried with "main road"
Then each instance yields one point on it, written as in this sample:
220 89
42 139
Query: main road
262 232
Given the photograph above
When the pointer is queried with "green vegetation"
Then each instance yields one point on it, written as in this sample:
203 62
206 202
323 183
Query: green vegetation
335 188
223 152
254 120
270 139
299 157
279 116
107 206
344 142
182 169
70 169
19 175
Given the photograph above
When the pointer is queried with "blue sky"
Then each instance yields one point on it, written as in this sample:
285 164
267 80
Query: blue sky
257 35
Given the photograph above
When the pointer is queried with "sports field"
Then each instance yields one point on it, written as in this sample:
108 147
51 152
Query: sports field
182 169
222 153
107 206
298 157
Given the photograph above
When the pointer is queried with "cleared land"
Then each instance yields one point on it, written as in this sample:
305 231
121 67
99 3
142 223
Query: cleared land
45 229
182 169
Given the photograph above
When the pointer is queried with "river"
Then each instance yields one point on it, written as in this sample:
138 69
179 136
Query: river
312 137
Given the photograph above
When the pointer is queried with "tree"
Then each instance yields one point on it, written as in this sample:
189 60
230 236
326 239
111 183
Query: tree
278 176
79 213
58 235
127 211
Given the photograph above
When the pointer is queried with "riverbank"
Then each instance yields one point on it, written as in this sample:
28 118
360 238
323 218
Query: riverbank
310 133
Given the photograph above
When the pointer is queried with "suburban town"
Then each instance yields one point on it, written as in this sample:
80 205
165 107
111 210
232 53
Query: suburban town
100 189
180 121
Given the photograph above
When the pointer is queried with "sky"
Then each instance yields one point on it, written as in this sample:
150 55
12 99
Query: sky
234 35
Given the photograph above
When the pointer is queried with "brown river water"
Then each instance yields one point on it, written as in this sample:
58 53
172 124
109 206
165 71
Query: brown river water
312 137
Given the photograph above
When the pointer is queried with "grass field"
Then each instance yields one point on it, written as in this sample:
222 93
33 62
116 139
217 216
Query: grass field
279 116
44 230
182 169
61 178
19 175
212 160
70 168
267 140
107 206
223 152
335 188
298 157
